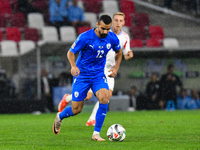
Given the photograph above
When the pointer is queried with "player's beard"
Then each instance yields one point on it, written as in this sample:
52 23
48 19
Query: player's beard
103 35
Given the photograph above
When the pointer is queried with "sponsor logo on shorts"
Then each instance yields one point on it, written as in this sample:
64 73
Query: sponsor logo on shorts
76 94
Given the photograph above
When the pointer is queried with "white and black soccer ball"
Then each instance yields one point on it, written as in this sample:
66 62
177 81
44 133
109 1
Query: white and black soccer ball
116 132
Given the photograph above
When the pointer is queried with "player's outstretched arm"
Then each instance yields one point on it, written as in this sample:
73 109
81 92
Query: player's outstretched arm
74 69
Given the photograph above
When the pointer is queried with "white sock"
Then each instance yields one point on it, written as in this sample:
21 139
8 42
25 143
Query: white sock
94 111
68 98
95 133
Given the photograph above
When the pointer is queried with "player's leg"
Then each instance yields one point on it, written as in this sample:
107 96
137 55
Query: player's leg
100 88
79 93
91 121
72 110
102 96
92 116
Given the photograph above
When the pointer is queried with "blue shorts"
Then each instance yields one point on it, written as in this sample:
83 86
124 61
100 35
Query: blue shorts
82 84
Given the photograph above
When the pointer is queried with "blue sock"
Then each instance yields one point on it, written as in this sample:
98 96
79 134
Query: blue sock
100 116
67 112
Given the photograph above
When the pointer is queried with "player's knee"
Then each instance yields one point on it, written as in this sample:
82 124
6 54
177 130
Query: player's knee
103 100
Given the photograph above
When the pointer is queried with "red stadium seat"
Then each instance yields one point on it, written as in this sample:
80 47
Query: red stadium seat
93 6
42 5
17 20
127 6
142 19
3 21
156 32
138 33
153 43
128 19
136 43
13 33
82 29
5 7
31 34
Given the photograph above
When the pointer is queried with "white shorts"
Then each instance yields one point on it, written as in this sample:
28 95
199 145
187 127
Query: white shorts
111 81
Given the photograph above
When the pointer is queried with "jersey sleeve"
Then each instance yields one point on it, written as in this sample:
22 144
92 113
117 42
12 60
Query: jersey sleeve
78 45
126 46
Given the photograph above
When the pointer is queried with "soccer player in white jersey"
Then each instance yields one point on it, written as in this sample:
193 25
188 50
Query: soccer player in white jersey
117 23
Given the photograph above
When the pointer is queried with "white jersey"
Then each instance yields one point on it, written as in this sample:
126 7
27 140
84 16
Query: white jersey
110 57
125 46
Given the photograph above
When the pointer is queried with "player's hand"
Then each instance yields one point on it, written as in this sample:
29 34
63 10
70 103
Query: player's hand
113 72
130 54
75 71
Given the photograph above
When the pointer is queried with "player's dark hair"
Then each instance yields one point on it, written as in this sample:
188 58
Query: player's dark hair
105 18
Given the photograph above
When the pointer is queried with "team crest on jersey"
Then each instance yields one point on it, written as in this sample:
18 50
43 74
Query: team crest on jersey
73 45
108 46
76 94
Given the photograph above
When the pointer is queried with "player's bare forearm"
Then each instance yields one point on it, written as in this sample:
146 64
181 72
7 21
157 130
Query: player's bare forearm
74 69
71 58
129 55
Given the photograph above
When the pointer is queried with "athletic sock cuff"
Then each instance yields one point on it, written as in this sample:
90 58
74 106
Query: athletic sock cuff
103 106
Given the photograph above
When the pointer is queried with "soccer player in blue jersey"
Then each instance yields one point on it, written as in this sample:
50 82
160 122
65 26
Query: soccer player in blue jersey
88 72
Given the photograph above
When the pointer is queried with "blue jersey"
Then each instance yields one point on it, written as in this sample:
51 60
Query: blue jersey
92 51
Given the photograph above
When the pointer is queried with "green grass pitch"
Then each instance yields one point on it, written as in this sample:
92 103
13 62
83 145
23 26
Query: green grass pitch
145 130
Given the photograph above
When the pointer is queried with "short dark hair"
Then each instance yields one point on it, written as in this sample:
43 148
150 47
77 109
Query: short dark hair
105 18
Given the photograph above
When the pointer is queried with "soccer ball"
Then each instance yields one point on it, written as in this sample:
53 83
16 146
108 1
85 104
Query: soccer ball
116 132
